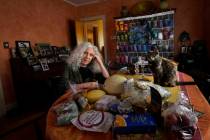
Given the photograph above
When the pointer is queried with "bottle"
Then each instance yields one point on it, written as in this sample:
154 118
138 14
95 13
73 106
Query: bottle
81 101
117 26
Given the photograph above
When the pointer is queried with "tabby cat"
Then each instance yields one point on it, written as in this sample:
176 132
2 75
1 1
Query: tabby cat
163 69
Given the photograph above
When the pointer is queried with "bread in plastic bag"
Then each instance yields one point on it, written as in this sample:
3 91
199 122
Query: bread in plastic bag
163 92
66 112
137 93
181 120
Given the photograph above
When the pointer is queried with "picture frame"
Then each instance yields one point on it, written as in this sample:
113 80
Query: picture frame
32 61
44 64
45 49
24 48
36 51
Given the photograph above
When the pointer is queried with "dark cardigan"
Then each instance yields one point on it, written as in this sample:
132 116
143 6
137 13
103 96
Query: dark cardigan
60 84
82 75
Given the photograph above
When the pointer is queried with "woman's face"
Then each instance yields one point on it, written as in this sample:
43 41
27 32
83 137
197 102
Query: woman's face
87 56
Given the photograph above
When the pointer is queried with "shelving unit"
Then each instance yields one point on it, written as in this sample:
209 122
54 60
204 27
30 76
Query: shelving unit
135 36
33 89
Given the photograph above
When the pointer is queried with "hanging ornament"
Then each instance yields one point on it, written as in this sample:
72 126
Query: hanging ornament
163 4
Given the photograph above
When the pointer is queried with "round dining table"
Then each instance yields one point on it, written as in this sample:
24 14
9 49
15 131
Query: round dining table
185 83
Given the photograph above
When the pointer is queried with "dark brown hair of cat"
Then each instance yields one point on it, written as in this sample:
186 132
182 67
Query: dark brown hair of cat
163 69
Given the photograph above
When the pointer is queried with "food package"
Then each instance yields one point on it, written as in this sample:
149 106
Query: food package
134 123
95 121
180 120
133 137
129 88
139 95
125 107
183 99
163 92
113 106
103 103
120 107
66 112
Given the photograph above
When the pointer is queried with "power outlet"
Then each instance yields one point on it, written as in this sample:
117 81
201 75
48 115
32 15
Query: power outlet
6 44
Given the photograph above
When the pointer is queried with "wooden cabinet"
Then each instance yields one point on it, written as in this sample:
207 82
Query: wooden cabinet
33 88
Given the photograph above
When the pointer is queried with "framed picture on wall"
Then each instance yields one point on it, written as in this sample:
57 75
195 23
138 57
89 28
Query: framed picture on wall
24 48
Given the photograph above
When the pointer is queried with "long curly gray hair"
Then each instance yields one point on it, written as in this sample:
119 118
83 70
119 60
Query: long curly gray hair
76 56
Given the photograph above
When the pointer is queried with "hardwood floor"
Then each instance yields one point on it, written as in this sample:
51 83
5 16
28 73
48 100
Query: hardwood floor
23 126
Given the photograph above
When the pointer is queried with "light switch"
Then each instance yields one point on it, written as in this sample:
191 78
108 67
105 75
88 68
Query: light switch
6 44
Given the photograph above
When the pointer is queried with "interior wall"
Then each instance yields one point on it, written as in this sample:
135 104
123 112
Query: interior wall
2 102
35 21
189 17
110 9
207 27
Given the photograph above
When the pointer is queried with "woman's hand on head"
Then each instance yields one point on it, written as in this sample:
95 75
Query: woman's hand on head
98 59
102 67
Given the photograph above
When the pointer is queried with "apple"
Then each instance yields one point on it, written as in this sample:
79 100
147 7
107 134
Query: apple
184 120
171 120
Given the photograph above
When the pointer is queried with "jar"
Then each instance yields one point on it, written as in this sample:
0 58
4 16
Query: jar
81 101
125 107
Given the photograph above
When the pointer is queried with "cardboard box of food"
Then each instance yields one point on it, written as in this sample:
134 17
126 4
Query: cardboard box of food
134 123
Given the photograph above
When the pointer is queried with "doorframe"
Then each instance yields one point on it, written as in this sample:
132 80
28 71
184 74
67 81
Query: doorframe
103 18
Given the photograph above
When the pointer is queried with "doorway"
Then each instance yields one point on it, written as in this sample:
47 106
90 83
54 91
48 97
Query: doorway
92 29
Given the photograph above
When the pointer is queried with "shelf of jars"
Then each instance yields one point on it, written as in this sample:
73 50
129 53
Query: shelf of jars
135 36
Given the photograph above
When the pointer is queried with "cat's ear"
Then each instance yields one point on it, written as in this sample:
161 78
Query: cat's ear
156 51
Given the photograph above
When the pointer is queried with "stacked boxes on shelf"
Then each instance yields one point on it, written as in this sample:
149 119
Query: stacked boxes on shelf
135 36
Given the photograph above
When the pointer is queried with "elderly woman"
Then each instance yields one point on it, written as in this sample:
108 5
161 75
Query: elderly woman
85 68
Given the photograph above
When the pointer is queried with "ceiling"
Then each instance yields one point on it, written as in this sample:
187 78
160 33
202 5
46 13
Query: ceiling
82 2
